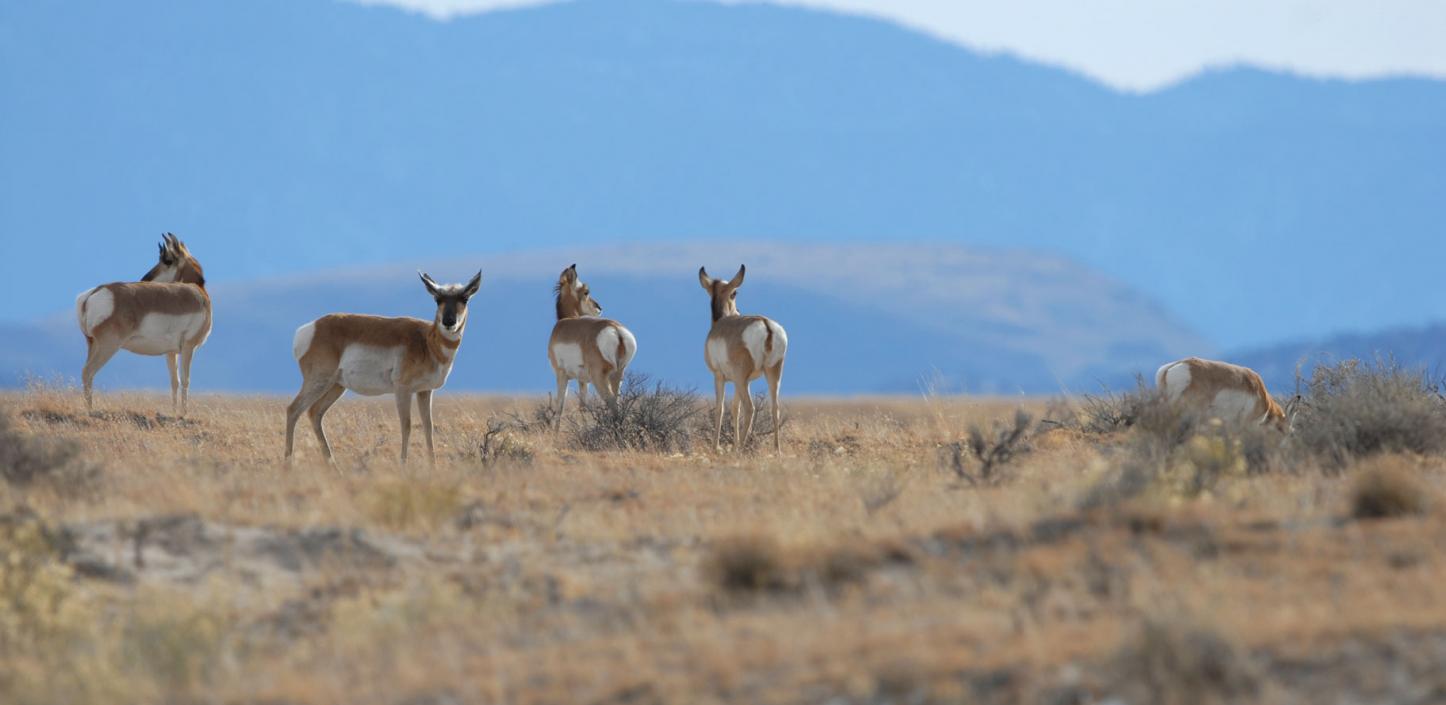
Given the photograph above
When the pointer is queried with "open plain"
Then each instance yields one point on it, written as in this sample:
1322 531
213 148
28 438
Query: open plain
924 550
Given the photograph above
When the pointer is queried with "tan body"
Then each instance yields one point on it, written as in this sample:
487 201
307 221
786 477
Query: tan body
168 313
374 355
584 347
1220 389
740 349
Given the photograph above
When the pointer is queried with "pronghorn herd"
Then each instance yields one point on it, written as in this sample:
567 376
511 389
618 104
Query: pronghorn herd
168 312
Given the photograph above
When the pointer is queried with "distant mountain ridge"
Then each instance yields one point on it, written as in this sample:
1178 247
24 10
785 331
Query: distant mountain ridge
286 136
1420 348
861 319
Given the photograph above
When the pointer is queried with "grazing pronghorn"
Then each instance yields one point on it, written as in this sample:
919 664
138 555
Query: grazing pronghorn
372 355
585 347
1222 390
167 312
739 350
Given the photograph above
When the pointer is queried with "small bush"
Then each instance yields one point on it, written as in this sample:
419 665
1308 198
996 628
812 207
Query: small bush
746 565
27 460
1111 412
656 418
504 444
1170 662
981 458
1384 489
1356 409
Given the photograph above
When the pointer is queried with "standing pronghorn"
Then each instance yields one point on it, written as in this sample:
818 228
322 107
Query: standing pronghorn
372 355
585 347
739 350
1222 390
167 312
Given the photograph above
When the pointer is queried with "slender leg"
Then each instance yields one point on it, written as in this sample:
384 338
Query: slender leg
311 390
739 391
718 392
186 354
745 422
605 390
99 353
775 376
561 401
318 411
424 408
404 415
175 381
615 382
581 393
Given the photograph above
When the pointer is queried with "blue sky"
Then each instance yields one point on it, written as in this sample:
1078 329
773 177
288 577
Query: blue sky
1146 44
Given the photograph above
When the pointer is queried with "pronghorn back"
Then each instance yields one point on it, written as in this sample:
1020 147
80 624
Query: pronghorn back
149 318
1230 392
324 342
746 345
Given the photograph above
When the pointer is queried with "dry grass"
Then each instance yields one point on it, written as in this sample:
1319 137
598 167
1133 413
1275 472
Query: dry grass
855 567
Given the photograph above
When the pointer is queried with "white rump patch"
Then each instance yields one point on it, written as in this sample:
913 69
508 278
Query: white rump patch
780 344
93 308
568 358
301 342
754 338
607 344
1173 379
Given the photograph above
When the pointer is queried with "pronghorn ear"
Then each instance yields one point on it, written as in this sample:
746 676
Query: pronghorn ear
737 279
705 280
431 285
473 286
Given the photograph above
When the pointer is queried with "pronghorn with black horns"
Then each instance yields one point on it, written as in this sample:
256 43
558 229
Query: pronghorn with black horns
167 312
585 347
1225 391
373 355
741 349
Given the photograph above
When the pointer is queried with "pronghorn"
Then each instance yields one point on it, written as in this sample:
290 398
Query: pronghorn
372 355
167 312
739 350
585 347
1222 390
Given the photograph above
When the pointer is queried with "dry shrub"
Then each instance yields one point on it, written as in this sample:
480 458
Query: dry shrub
27 460
1355 409
1171 662
407 504
755 565
503 444
745 565
1385 488
981 458
1111 412
657 418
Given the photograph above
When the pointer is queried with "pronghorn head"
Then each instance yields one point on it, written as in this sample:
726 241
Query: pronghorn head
451 303
1292 410
574 299
176 264
723 293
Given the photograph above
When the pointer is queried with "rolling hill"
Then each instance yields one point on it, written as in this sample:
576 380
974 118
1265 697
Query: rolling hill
861 319
293 136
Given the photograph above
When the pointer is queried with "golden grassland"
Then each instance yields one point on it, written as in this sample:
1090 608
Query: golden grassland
179 560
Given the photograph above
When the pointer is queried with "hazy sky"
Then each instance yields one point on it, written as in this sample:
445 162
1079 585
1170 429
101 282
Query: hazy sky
1143 44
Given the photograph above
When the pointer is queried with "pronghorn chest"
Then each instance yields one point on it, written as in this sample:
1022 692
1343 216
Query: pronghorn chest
162 333
371 370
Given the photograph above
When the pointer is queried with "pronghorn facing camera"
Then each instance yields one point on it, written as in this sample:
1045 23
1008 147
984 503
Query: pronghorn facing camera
740 349
372 355
585 347
167 313
1222 390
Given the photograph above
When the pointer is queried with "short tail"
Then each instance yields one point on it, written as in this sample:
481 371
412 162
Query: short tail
775 344
301 342
626 348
